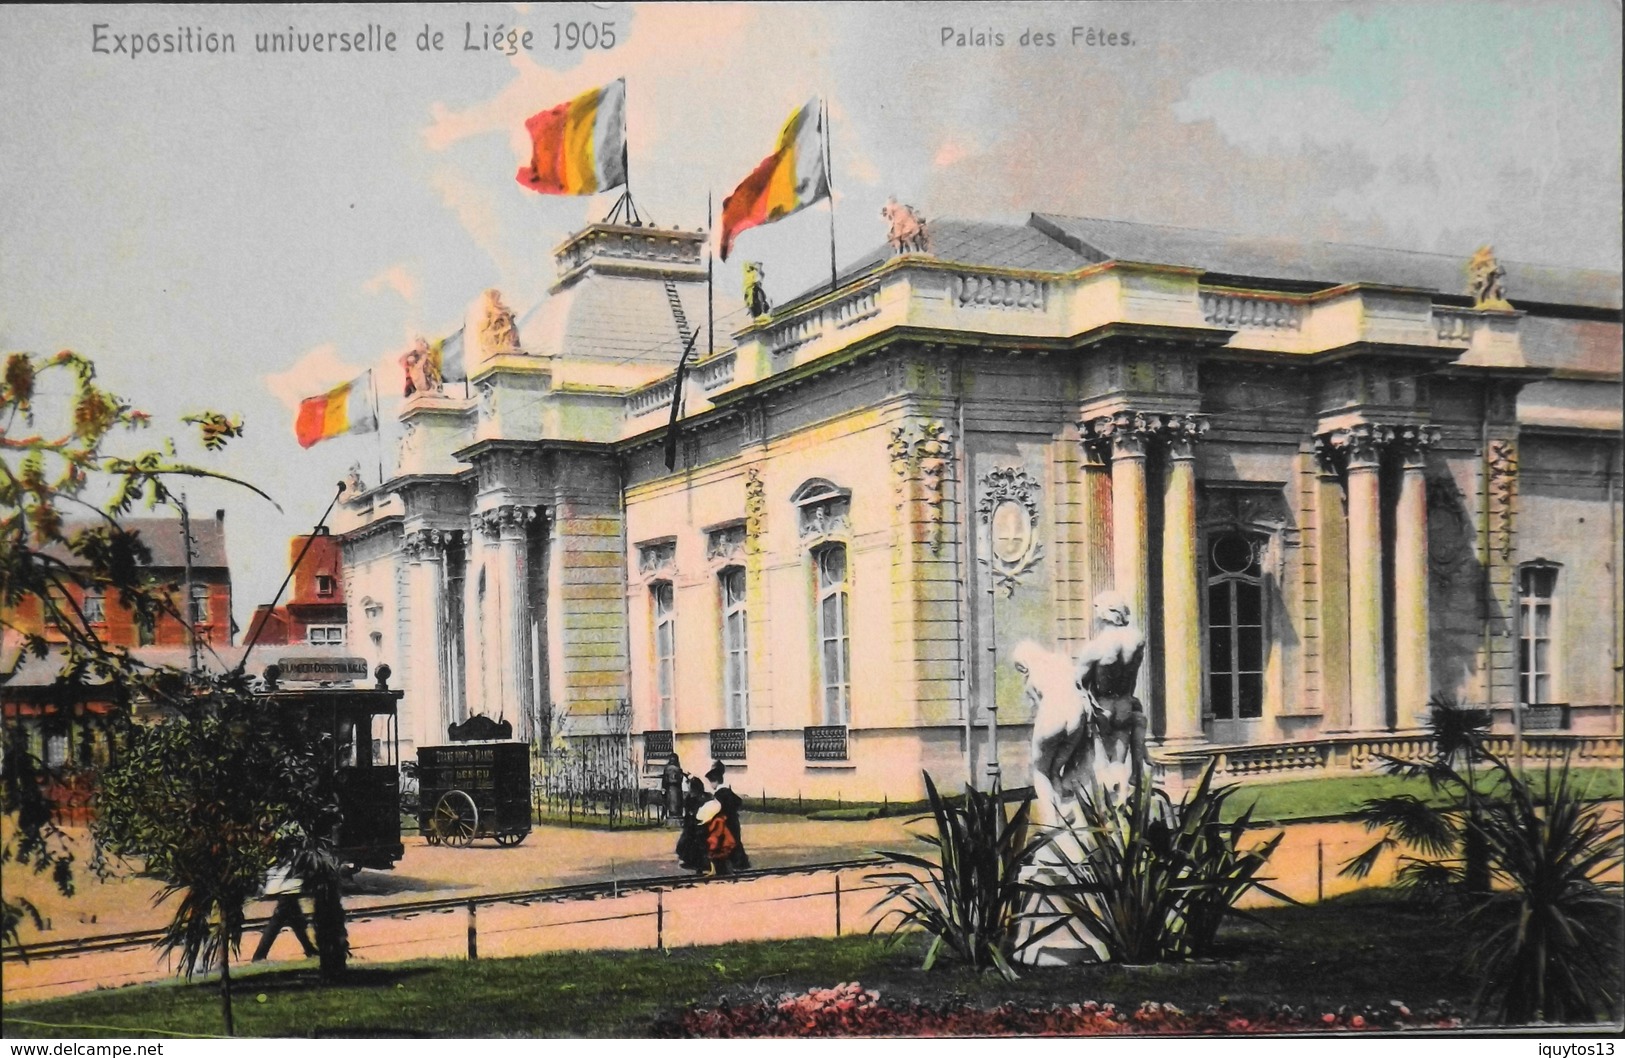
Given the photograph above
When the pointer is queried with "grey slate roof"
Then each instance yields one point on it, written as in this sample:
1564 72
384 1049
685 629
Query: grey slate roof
1315 262
620 318
164 539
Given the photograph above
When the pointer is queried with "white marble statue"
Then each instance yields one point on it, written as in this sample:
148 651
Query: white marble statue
1088 728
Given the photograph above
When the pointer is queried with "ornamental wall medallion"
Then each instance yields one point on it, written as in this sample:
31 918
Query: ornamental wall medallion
1009 508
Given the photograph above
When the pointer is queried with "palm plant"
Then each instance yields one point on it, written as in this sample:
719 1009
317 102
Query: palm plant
1547 941
1153 880
1452 854
970 898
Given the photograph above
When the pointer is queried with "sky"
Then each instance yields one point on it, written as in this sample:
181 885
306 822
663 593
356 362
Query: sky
238 231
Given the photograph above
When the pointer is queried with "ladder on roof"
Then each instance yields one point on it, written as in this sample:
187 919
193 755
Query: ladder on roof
683 331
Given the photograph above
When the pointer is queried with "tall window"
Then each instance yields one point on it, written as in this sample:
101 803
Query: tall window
95 606
835 652
1235 627
735 650
1537 594
200 604
324 584
146 628
665 613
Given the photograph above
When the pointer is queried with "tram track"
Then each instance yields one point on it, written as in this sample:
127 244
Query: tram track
597 890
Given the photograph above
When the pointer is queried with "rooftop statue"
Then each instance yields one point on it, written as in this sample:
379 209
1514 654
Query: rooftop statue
497 331
421 366
353 485
1484 275
907 228
756 302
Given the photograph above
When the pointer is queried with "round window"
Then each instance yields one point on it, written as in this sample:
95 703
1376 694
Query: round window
1012 532
1234 553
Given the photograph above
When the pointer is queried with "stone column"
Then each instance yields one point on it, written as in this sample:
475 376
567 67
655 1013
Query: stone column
1368 691
424 721
1181 587
1131 561
1412 660
510 525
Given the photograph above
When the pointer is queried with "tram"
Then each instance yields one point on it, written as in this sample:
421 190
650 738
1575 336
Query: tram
365 761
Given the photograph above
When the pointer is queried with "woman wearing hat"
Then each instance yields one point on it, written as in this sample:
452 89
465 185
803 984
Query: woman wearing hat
730 803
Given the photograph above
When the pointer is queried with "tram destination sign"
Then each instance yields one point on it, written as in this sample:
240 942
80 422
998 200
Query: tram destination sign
308 668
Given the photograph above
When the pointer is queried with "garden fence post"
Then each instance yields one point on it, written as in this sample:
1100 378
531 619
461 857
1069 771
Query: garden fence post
473 936
1320 870
837 903
660 920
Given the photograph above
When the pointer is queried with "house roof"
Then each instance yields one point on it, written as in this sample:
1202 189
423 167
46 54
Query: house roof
1312 261
165 540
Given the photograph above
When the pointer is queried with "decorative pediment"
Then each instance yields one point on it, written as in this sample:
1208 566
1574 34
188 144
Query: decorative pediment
823 508
725 542
657 557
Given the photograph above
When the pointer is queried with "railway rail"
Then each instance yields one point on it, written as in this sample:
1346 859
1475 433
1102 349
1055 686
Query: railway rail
582 891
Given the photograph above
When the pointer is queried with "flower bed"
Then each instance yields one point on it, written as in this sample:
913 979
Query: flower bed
852 1010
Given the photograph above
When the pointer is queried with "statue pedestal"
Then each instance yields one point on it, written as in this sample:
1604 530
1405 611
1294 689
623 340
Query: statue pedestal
1070 945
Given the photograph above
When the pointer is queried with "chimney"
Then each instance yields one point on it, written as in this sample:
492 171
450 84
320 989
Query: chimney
220 515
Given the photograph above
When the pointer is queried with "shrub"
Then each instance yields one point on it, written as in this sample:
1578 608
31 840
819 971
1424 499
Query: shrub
1154 880
970 899
1547 942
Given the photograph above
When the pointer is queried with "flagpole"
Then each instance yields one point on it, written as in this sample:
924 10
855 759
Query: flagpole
710 280
377 421
829 185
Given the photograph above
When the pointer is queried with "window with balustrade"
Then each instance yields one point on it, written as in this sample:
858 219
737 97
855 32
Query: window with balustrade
663 603
1235 626
735 649
834 646
1537 632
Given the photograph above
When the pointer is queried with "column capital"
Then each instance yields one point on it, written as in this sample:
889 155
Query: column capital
507 522
1180 433
430 544
1127 432
1412 443
1359 446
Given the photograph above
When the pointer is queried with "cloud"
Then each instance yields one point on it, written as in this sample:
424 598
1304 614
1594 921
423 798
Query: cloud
318 370
950 152
398 278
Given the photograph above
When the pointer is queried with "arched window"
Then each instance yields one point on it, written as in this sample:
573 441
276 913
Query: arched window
664 605
1537 632
1235 626
834 647
735 649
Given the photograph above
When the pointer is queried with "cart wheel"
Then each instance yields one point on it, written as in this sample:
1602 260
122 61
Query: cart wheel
509 840
456 819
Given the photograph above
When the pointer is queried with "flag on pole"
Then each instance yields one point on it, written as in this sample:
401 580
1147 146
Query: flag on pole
447 357
579 147
345 409
793 177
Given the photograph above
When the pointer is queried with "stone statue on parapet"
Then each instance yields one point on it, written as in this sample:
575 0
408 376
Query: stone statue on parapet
756 303
353 485
907 234
421 368
1089 730
1484 275
497 332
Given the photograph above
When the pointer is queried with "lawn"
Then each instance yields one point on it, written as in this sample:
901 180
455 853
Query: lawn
1337 797
1362 951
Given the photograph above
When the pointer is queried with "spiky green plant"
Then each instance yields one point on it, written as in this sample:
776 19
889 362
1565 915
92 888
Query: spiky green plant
970 898
1547 940
1153 880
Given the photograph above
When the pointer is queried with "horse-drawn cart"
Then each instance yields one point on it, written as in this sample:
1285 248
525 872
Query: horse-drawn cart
474 789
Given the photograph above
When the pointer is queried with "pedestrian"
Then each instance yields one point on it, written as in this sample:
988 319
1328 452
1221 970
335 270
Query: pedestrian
691 853
730 804
671 784
282 885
